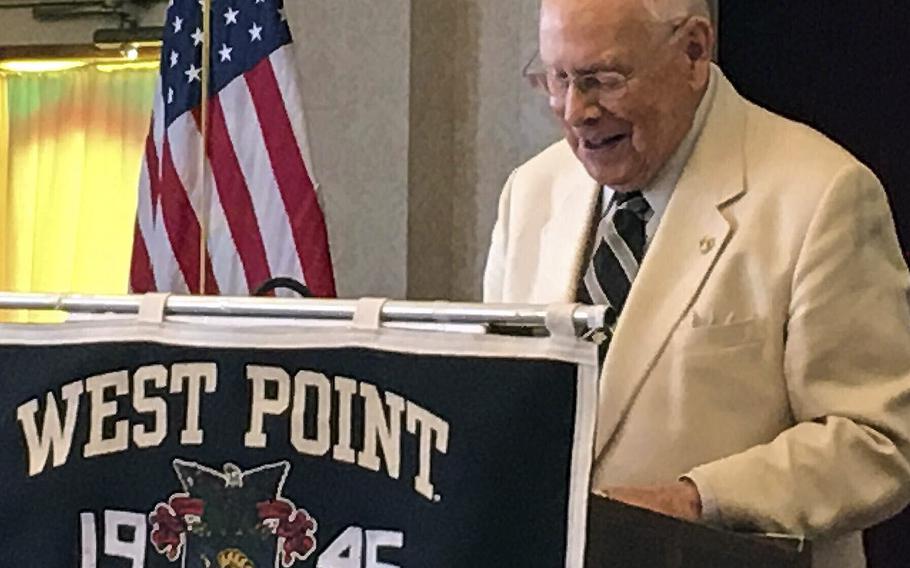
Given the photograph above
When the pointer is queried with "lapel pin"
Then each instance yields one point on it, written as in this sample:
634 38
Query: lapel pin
706 245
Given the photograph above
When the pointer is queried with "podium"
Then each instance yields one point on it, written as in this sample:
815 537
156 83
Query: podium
621 536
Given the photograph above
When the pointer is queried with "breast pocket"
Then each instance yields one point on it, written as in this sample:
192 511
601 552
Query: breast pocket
727 364
721 337
722 362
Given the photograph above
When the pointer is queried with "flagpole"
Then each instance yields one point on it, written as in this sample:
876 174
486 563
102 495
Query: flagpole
205 202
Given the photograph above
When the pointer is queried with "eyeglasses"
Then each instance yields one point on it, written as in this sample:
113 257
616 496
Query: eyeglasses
607 85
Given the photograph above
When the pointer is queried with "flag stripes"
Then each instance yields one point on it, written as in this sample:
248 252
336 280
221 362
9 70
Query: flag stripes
294 182
243 124
263 218
141 269
233 190
180 221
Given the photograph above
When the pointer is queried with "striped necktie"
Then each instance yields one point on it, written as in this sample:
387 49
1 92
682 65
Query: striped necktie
619 249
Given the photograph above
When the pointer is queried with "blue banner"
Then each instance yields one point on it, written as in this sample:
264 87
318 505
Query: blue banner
201 446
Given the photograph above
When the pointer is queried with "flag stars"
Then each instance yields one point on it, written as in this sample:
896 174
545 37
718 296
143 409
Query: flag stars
198 37
183 70
225 52
255 32
193 73
230 17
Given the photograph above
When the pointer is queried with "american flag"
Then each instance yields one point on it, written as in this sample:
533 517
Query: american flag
263 218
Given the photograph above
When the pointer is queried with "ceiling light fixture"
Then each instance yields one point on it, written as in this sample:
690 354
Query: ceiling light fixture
138 37
38 66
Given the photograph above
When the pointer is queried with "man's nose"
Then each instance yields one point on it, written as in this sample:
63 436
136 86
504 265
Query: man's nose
579 108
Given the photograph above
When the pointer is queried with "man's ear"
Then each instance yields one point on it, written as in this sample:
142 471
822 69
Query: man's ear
699 41
698 46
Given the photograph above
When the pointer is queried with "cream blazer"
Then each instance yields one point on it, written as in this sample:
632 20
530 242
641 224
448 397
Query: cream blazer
765 346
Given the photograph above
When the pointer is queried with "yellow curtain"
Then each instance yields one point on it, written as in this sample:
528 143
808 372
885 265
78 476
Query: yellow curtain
4 188
71 147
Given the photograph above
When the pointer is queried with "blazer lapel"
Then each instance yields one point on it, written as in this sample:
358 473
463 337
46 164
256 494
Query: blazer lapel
692 235
559 270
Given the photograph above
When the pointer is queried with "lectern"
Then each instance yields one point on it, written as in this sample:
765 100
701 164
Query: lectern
620 536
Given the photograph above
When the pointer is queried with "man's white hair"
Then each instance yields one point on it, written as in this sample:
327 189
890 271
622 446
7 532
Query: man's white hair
669 10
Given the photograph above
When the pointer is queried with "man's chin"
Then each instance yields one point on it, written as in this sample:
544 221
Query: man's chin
617 179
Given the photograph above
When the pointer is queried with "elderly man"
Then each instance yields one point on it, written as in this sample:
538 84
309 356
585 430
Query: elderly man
757 370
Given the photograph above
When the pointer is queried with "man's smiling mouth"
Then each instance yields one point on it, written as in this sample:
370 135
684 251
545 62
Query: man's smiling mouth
603 143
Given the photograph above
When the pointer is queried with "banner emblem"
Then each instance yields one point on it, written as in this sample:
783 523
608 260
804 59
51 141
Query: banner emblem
232 519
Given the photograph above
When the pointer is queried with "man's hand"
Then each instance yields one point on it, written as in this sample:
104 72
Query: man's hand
680 499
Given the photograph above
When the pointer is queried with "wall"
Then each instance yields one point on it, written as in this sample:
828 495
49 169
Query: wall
473 120
499 125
